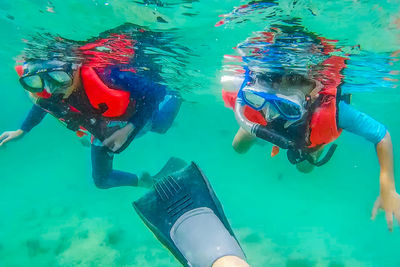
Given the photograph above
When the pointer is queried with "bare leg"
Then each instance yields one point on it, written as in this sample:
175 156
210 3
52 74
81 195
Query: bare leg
230 261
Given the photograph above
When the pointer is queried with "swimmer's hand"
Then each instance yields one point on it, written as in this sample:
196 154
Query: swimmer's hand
10 135
118 138
389 201
84 141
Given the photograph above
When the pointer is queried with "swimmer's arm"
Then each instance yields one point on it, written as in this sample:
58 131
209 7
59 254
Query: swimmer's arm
148 96
119 137
384 150
242 141
34 117
389 199
363 125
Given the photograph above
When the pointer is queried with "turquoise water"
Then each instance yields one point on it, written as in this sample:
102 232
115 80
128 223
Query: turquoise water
51 214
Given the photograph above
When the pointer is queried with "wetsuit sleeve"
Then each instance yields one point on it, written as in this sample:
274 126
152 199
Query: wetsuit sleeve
148 99
145 92
360 123
35 116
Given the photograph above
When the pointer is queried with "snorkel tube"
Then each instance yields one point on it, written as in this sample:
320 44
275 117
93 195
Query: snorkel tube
259 130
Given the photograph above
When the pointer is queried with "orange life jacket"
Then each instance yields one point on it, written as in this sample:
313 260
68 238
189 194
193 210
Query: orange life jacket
98 93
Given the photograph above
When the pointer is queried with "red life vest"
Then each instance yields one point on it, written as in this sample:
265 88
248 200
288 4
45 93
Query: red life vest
323 125
115 48
98 93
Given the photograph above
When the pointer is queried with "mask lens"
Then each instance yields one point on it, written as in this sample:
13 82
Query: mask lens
288 109
32 83
254 100
60 77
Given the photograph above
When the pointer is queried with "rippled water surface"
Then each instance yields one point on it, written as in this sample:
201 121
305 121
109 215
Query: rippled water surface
51 214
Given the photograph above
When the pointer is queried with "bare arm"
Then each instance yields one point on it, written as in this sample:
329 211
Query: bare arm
389 199
242 141
384 150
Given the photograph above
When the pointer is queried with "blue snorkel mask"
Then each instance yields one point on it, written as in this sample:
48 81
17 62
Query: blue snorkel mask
290 106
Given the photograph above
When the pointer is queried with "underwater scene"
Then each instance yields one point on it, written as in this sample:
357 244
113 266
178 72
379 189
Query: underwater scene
163 112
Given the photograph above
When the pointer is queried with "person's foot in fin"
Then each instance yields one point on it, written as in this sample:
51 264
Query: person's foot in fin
172 165
145 180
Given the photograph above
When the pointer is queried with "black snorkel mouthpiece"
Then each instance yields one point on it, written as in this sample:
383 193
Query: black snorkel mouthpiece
273 137
259 130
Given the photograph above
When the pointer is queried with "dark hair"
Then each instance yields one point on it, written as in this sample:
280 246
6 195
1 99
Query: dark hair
301 82
298 80
51 47
291 79
268 77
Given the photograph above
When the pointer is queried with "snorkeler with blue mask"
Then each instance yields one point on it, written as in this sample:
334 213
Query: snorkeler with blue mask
303 116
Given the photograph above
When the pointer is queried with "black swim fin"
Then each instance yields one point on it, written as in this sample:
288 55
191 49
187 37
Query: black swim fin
184 213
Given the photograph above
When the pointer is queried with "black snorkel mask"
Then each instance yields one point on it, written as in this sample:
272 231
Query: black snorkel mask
46 75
